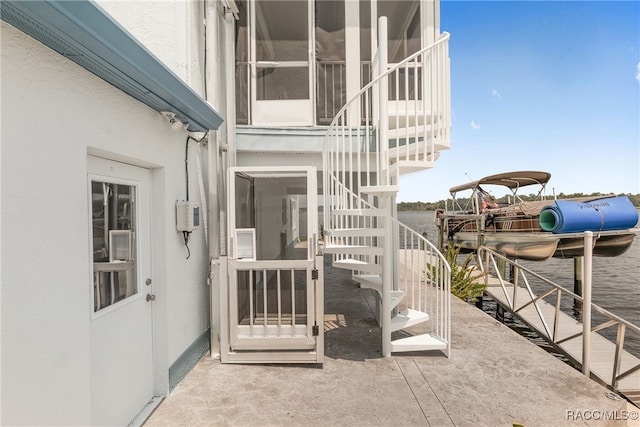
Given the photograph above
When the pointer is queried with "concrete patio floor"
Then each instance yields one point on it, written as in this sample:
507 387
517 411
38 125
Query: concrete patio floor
494 377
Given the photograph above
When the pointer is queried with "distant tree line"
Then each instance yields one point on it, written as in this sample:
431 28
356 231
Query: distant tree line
431 206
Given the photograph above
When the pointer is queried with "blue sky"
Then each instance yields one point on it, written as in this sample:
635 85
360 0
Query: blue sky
540 85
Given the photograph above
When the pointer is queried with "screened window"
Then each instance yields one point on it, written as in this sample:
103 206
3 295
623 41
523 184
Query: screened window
242 64
330 59
403 17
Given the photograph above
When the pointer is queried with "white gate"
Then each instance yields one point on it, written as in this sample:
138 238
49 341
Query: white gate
274 288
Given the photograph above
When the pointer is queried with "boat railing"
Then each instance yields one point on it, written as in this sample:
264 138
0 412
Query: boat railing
550 293
486 222
463 205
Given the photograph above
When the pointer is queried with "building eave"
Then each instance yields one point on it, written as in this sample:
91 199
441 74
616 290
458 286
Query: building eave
82 32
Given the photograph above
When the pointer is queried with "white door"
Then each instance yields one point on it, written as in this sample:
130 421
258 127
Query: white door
121 292
281 63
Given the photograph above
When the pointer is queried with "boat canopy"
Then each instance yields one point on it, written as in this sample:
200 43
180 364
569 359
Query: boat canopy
511 180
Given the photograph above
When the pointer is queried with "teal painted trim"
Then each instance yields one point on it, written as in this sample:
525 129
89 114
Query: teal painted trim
82 32
188 360
282 130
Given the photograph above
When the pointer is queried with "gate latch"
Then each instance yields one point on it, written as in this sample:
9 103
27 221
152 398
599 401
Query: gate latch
314 274
315 329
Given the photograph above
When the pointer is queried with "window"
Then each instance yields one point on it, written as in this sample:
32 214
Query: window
113 223
403 18
330 59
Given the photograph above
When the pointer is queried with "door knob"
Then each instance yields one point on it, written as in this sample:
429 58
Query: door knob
151 297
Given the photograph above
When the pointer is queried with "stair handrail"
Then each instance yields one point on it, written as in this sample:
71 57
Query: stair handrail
340 124
422 267
443 38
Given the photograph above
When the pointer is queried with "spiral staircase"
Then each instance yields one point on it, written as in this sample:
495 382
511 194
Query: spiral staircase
398 123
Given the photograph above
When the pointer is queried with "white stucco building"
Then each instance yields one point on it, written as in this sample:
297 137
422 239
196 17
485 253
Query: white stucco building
115 113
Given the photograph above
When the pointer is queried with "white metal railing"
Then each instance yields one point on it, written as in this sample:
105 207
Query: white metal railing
343 209
421 270
424 275
357 154
331 88
491 262
243 100
419 104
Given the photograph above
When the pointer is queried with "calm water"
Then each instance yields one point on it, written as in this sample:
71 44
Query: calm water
615 281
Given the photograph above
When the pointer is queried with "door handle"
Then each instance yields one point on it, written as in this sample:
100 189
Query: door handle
150 297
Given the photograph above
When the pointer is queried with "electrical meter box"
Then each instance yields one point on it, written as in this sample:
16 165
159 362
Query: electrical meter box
187 215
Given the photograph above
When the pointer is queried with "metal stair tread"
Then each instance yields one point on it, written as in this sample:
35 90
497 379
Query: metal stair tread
407 318
379 189
369 281
406 166
359 212
360 232
396 298
374 281
434 145
410 131
403 161
357 265
352 249
418 343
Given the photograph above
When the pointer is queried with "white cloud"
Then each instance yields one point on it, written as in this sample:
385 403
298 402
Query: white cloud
638 72
474 125
496 94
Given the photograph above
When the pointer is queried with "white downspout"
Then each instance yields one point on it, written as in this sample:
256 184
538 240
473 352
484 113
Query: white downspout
212 96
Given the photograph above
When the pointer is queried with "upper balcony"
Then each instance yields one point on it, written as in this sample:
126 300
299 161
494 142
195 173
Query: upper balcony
301 72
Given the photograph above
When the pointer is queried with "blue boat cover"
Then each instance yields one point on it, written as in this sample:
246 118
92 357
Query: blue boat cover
612 213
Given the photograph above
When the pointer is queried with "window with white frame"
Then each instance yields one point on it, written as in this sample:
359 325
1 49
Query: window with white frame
113 223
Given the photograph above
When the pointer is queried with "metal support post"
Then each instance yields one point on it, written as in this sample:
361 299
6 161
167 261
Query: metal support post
224 308
577 281
216 282
383 179
383 93
586 308
387 277
319 308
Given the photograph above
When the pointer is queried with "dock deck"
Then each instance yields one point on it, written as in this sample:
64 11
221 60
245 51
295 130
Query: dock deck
568 337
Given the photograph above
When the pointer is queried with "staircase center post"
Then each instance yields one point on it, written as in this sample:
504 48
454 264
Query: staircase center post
383 179
387 275
383 93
